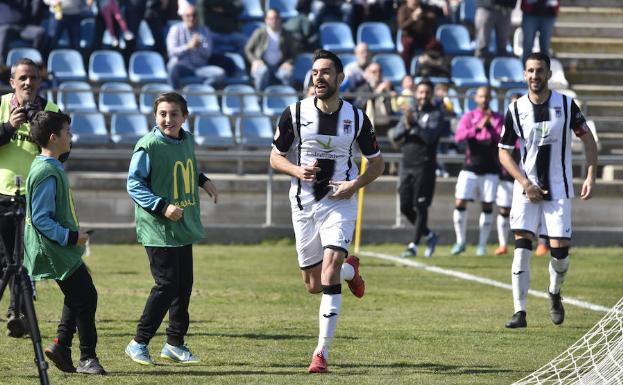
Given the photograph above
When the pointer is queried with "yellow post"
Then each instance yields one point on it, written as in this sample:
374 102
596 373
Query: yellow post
364 164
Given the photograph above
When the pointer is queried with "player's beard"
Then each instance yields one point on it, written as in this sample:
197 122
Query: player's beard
537 88
329 92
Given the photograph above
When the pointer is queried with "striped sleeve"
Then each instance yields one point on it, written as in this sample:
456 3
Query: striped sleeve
367 139
509 136
284 134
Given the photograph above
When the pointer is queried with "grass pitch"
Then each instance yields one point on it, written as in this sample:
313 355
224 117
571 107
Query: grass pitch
252 321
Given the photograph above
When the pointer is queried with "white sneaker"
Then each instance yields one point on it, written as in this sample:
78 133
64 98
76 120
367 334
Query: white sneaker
128 35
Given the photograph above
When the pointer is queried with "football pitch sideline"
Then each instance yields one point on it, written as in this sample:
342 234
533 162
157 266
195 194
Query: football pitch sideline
252 322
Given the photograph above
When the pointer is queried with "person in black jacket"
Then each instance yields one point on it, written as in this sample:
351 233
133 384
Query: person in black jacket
20 19
418 134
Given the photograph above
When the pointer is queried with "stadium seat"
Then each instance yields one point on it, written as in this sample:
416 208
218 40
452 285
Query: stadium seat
213 130
147 67
469 103
286 8
467 11
336 37
89 128
146 39
377 35
107 66
254 130
456 104
399 46
347 58
493 46
117 97
506 72
509 93
240 74
240 99
558 79
201 99
393 67
87 33
455 39
24 52
249 27
128 128
518 43
148 94
468 71
76 96
277 98
302 64
252 10
66 64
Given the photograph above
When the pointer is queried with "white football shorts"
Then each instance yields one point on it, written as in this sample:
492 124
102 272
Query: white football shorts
554 216
504 197
326 223
468 182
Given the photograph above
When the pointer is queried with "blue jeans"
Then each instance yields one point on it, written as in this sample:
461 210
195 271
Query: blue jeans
266 75
530 25
211 74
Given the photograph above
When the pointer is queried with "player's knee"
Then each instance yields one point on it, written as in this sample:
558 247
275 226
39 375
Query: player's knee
313 288
460 204
559 252
523 243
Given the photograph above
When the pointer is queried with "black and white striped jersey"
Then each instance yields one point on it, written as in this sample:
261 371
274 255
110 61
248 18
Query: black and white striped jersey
544 133
305 134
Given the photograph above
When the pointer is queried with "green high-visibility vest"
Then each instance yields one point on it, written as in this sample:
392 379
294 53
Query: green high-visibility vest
173 176
43 257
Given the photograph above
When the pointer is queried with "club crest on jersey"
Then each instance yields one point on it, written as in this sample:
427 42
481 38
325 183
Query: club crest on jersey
558 110
348 124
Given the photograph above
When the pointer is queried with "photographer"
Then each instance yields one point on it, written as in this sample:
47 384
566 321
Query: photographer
17 151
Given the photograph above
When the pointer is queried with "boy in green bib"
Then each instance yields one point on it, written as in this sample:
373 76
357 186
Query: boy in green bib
54 243
163 181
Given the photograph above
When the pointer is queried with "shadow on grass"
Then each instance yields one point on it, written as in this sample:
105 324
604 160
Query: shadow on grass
429 367
204 373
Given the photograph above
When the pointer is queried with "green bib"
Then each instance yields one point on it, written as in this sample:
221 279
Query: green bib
17 155
173 176
43 257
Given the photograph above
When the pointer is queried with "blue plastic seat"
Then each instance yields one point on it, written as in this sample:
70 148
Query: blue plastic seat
66 64
240 99
147 67
286 8
434 79
393 67
252 10
492 48
24 52
399 46
214 130
254 130
128 128
240 73
76 96
456 104
277 98
377 35
249 27
468 71
148 94
89 128
302 64
509 94
347 58
455 39
506 72
467 11
201 99
87 33
107 66
337 37
146 39
117 97
469 103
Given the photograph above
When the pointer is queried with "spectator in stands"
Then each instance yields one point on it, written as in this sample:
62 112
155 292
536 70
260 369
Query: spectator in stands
21 19
222 17
372 10
332 10
17 151
538 16
493 15
271 51
442 98
442 8
418 23
354 71
65 15
406 100
432 62
157 15
375 97
417 134
111 12
190 51
5 76
303 31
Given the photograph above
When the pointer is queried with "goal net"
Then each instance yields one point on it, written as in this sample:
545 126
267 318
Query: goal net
595 359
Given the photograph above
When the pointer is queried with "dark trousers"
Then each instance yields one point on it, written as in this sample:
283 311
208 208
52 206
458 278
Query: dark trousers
172 269
34 33
7 247
416 194
79 312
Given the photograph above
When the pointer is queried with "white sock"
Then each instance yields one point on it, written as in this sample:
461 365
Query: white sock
347 272
460 225
330 306
485 228
504 227
557 273
521 278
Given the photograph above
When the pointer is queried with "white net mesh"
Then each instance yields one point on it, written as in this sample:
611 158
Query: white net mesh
595 359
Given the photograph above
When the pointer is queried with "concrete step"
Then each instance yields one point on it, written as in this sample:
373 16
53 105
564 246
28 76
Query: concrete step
595 77
587 44
580 61
591 14
588 29
604 107
595 90
611 173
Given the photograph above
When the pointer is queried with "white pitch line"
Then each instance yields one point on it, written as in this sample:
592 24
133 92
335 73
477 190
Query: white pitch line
475 278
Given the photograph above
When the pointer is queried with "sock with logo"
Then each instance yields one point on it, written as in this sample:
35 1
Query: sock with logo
330 306
459 217
520 278
558 266
504 227
485 227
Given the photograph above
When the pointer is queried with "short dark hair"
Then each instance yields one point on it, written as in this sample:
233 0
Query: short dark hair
24 62
46 123
324 54
171 97
426 82
540 56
